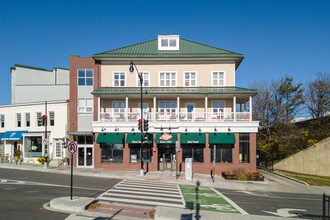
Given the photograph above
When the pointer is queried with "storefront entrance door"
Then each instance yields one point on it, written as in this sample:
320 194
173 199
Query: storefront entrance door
85 156
166 157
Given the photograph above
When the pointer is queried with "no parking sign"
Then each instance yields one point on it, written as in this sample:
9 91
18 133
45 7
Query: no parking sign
72 147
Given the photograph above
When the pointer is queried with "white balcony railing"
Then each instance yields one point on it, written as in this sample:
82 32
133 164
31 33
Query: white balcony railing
173 116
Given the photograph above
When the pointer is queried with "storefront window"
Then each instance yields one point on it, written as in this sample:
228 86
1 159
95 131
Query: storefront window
223 153
244 148
135 153
85 139
33 146
195 151
112 153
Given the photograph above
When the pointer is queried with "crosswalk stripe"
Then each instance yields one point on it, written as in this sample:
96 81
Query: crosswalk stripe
144 202
144 189
150 182
146 193
148 187
142 197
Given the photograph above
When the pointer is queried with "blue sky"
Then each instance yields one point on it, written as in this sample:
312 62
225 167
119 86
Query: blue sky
277 38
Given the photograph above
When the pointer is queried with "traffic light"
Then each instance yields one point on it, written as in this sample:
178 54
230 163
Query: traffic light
44 120
145 125
140 124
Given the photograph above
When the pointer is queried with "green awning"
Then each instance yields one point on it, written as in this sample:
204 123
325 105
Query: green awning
222 138
192 138
163 138
135 138
110 138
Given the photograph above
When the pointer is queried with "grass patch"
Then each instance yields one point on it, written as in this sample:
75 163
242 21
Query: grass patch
313 180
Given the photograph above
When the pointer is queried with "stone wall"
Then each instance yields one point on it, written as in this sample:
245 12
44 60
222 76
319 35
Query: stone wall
314 160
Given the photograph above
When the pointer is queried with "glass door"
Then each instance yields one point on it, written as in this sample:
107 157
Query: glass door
81 156
190 110
85 156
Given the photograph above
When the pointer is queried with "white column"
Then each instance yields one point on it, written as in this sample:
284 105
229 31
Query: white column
234 107
250 109
126 116
177 108
205 108
155 108
98 108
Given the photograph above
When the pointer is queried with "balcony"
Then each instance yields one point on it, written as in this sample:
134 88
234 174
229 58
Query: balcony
174 117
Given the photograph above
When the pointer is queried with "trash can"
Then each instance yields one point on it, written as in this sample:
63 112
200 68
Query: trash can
188 168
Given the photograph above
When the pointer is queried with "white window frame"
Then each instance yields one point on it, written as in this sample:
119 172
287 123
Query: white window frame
2 120
176 78
175 109
144 81
223 109
50 118
20 120
85 107
85 76
224 78
58 141
27 113
113 78
113 107
184 78
37 124
168 38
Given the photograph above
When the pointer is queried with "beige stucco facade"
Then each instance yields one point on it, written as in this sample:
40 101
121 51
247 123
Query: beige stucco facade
204 73
313 160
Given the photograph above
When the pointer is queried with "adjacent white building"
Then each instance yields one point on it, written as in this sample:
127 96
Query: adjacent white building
36 92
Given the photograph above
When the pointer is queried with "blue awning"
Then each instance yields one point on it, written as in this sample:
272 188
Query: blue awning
12 136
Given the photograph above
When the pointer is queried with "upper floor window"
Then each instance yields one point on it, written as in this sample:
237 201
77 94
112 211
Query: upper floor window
190 79
85 77
218 78
2 121
168 42
51 118
39 119
27 120
119 79
85 106
218 107
167 79
167 106
19 120
146 79
119 107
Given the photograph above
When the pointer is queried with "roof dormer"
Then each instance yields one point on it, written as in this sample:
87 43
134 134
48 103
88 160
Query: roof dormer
168 42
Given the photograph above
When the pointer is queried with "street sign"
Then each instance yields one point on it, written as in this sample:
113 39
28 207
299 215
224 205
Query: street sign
177 149
45 141
72 147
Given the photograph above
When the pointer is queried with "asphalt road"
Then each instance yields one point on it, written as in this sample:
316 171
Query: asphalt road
22 193
276 203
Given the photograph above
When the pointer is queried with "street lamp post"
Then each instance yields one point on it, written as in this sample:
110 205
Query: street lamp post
131 69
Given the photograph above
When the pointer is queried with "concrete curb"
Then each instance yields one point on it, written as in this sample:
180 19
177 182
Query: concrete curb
290 178
76 205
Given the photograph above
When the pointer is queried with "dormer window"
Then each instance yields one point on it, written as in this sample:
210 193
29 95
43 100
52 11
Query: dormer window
168 42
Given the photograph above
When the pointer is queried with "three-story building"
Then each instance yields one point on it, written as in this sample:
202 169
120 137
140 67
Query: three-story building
190 100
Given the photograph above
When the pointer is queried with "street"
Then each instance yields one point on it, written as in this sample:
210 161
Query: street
276 203
22 193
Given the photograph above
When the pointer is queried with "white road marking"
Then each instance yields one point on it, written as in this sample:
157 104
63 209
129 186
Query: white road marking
285 212
231 202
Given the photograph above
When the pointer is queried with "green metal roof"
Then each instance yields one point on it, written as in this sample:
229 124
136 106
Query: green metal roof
149 49
173 90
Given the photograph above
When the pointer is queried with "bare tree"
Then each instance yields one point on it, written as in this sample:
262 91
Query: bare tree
317 95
